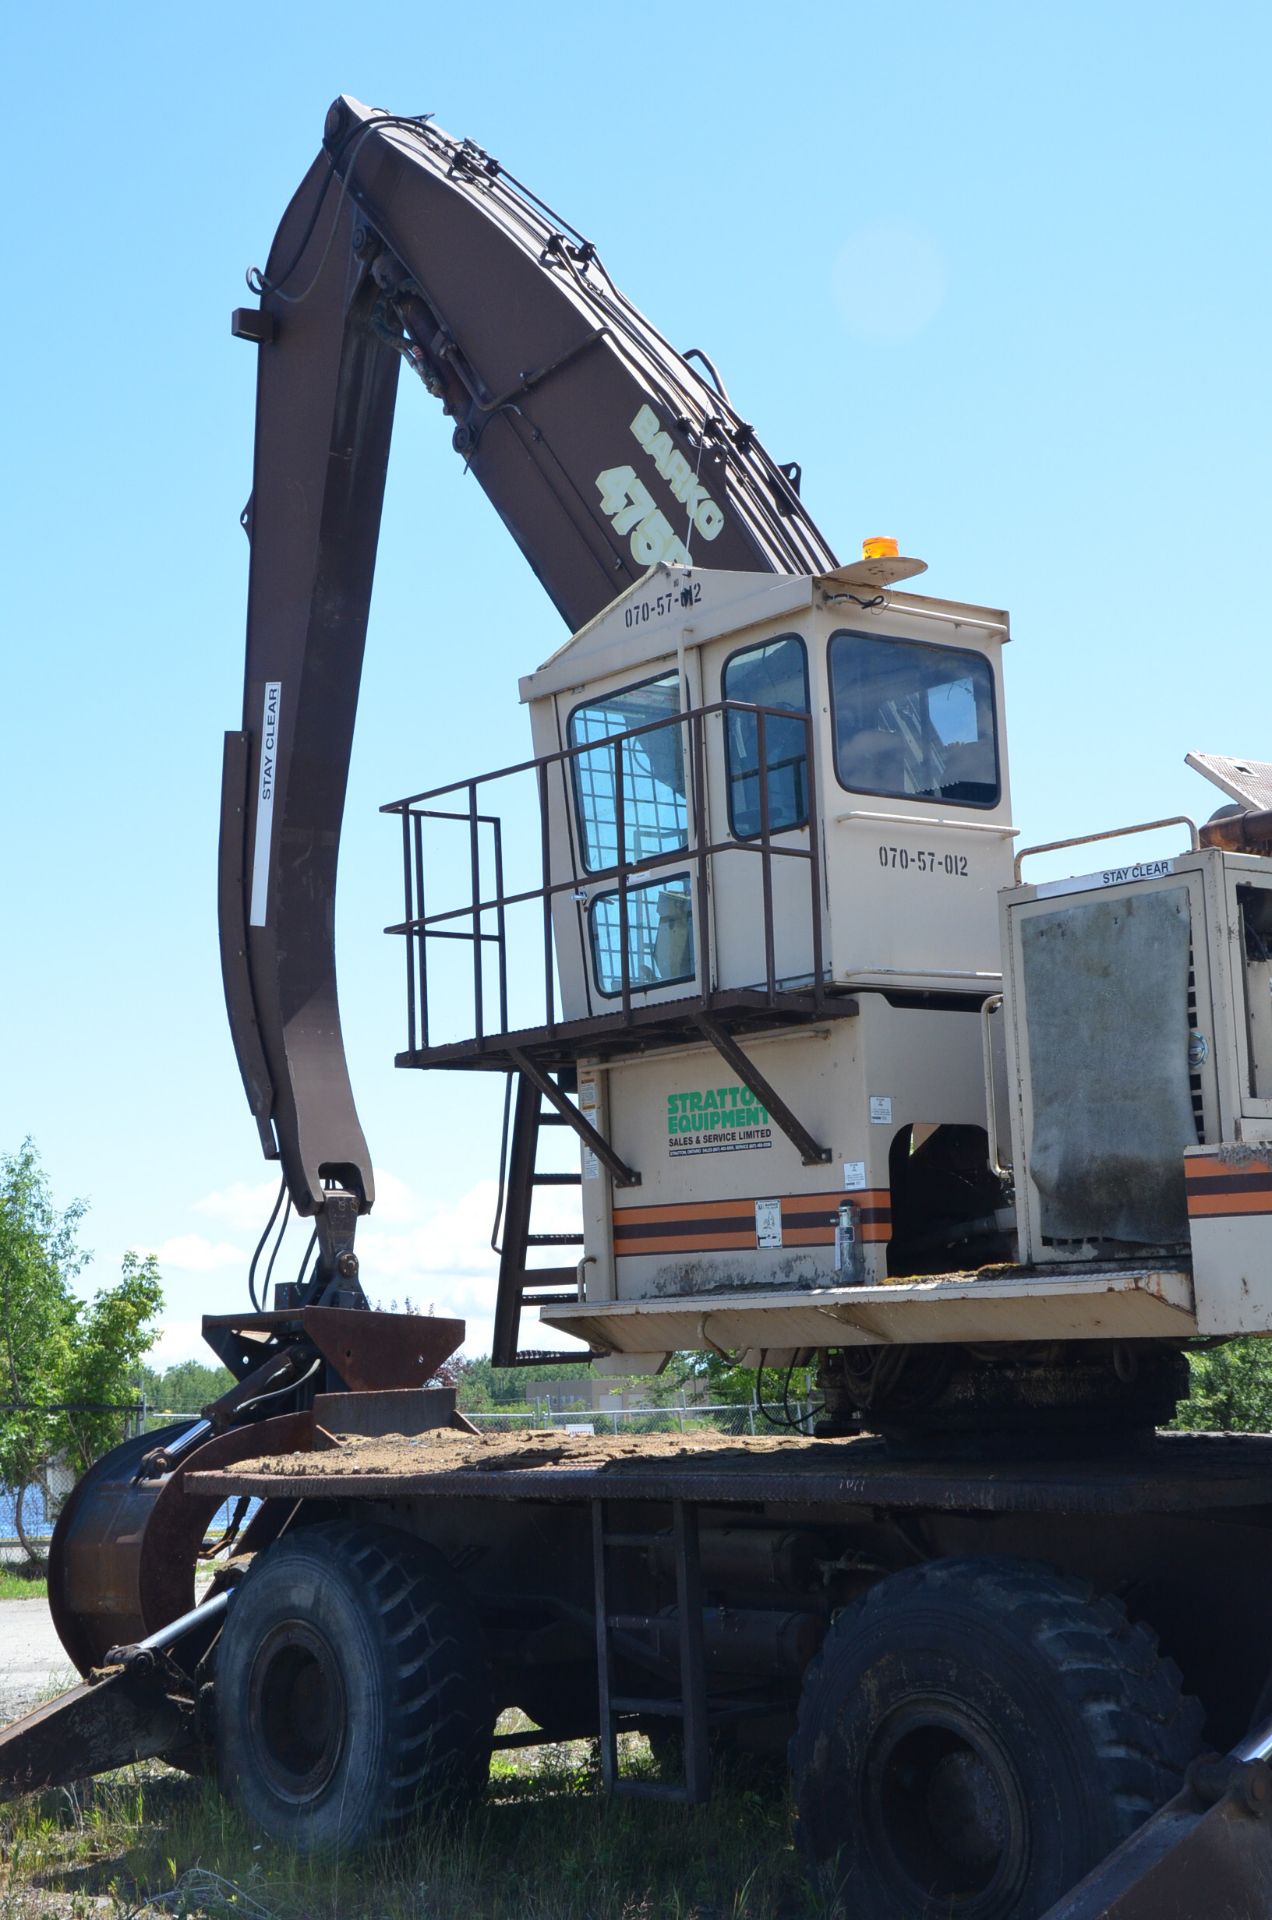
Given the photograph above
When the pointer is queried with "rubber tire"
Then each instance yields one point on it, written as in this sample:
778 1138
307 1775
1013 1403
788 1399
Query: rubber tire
1074 1730
408 1713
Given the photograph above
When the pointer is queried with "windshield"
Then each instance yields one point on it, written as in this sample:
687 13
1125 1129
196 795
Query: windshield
913 721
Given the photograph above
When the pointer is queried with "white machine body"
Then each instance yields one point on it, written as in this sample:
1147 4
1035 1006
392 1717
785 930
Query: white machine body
980 1111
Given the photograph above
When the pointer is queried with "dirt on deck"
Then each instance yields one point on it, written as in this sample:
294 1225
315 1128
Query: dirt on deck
444 1450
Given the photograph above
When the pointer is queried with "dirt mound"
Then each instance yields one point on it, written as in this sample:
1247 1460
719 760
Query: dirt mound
444 1450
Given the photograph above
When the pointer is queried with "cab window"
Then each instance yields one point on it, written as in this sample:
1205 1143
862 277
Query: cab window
774 674
659 936
655 815
913 721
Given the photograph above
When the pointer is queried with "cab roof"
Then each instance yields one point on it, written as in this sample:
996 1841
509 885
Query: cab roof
671 607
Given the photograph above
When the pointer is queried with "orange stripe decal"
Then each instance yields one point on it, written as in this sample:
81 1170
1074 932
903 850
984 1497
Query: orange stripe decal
684 1210
1212 1206
728 1226
1228 1185
691 1243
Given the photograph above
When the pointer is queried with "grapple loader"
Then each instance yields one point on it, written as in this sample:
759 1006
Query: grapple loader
848 1092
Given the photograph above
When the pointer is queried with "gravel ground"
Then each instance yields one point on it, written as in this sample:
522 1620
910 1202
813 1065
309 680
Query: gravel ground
32 1663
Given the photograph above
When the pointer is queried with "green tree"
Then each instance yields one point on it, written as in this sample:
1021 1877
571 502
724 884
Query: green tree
58 1352
729 1385
38 1260
474 1385
1230 1390
184 1388
99 1369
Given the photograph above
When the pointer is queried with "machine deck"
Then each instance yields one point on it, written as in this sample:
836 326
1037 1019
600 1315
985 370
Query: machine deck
1170 1473
992 1303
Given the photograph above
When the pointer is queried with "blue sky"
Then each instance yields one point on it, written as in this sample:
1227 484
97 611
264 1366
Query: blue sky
997 276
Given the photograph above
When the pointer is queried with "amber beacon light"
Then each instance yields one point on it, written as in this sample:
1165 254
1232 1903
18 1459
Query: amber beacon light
880 547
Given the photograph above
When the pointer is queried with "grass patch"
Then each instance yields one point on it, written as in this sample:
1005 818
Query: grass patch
545 1845
23 1581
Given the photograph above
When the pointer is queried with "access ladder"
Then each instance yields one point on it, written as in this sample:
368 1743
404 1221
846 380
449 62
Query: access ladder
688 1705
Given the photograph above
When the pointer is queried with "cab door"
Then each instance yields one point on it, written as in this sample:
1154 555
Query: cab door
627 774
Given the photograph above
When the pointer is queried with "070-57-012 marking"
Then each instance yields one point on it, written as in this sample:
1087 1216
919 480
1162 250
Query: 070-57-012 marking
659 605
902 860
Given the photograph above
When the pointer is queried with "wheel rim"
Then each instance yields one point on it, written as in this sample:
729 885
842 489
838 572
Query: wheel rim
945 1809
296 1711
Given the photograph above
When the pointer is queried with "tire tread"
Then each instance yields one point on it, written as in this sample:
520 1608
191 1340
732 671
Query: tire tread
437 1701
1142 1728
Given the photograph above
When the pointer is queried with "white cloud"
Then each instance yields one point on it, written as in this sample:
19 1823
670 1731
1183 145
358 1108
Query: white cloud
437 1254
452 1240
445 1262
180 1340
244 1206
447 1240
195 1253
395 1203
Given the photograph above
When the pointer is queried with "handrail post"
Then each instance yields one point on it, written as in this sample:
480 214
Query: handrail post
501 926
814 864
766 856
410 942
701 923
620 828
474 860
545 863
988 1009
422 939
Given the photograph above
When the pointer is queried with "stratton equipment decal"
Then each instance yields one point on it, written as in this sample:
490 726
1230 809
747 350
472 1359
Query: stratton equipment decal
729 1226
716 1120
627 501
1220 1185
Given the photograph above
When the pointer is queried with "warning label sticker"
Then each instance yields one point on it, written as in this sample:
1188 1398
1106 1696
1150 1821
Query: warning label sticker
716 1120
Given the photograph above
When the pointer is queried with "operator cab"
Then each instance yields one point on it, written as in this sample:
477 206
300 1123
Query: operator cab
753 869
812 781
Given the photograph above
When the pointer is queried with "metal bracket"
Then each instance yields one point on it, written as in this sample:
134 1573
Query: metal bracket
335 1223
622 1174
749 1074
252 323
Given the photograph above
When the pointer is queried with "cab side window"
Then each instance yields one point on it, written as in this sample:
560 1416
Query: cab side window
774 674
651 767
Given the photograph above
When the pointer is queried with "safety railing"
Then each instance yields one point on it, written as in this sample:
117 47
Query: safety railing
482 919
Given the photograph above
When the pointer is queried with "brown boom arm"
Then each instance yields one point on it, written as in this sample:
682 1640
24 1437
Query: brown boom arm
602 450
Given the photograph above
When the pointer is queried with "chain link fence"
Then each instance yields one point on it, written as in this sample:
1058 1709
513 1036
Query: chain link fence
31 1511
731 1420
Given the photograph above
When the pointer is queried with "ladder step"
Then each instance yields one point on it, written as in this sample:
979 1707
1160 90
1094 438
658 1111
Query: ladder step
552 1299
549 1277
635 1539
640 1621
556 1180
636 1703
554 1239
553 1119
